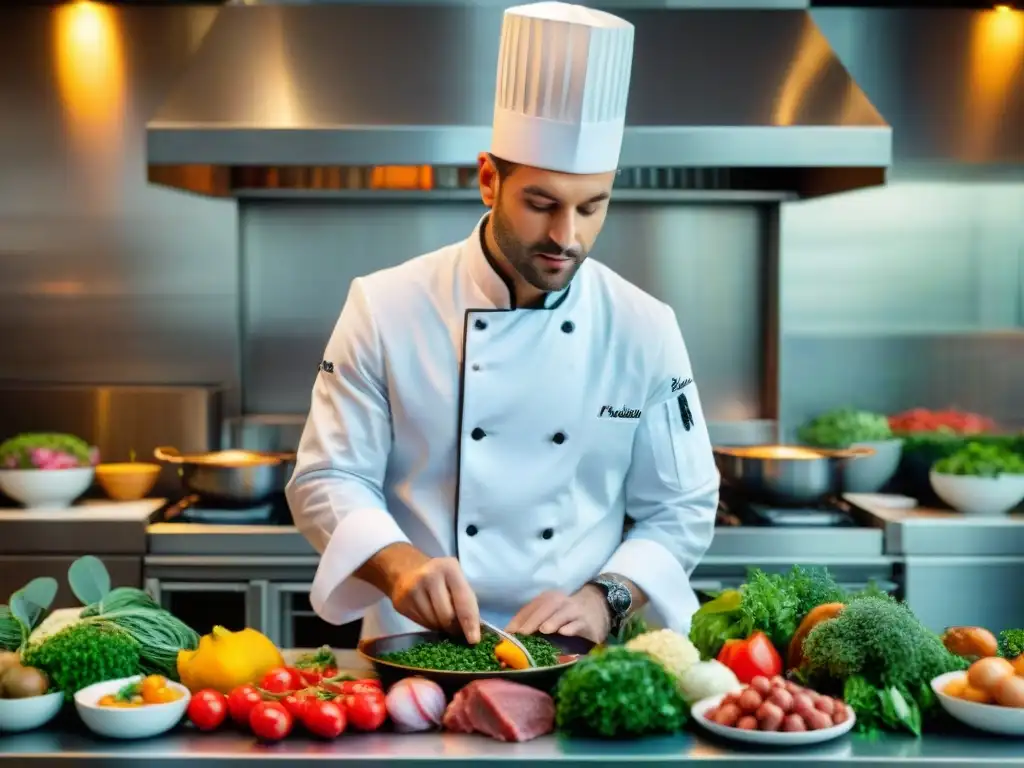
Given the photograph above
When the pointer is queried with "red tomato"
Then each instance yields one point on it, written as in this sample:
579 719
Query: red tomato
282 680
752 657
365 711
270 721
359 686
208 709
324 718
296 705
242 701
311 676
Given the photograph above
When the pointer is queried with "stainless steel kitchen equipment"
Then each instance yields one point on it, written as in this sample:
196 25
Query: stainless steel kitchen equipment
784 474
233 475
773 108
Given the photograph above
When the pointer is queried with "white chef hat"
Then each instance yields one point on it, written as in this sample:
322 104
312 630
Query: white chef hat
563 80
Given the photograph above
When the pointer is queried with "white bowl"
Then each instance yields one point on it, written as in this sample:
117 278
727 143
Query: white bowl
46 488
25 714
128 723
979 495
869 473
767 738
1005 721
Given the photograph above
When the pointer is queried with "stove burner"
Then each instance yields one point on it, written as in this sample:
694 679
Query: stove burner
193 509
736 511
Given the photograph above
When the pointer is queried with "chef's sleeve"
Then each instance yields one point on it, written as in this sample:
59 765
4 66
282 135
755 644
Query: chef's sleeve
335 493
671 489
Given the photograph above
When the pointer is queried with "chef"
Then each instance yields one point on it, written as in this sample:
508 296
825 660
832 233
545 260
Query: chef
504 428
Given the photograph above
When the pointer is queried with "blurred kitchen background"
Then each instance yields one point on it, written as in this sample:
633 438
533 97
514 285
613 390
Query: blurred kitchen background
192 310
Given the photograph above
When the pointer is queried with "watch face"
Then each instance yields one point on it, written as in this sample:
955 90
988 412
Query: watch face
619 598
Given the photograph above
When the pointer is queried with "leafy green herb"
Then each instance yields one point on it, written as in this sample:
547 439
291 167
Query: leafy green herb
89 580
1011 643
121 598
82 654
617 693
30 603
158 633
980 460
632 627
451 656
771 603
321 658
843 427
129 691
11 635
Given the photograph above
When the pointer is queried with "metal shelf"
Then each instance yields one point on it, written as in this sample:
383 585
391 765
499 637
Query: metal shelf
473 195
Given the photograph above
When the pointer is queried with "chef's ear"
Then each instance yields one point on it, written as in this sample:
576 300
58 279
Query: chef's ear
488 179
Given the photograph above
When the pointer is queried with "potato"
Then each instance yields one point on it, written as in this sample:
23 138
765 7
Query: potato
20 682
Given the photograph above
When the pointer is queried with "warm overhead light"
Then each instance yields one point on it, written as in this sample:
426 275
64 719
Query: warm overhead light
1003 8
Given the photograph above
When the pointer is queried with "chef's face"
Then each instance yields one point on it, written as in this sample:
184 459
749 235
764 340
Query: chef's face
544 222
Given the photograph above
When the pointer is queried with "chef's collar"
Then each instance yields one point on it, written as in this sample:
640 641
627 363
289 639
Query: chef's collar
490 279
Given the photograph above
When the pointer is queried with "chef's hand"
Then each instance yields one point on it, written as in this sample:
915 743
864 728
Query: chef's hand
583 614
436 595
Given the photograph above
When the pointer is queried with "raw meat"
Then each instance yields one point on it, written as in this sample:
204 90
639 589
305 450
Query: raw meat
501 709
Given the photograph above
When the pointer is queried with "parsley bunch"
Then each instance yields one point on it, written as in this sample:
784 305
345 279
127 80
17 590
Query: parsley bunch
84 653
617 693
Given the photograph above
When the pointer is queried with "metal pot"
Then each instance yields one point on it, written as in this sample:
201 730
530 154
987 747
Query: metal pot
784 474
234 476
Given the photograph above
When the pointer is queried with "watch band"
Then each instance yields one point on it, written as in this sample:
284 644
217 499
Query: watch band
618 597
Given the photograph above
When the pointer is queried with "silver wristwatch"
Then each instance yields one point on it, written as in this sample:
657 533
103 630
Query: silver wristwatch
619 599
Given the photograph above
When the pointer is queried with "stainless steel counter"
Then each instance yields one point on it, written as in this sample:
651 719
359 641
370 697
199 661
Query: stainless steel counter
45 749
201 540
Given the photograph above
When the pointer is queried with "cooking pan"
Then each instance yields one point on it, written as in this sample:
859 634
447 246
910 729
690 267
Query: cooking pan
234 476
785 474
543 678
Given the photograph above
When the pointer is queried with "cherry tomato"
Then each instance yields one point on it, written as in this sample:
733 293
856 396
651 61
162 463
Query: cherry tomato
241 702
345 687
324 718
270 721
208 709
365 711
150 687
282 680
296 705
311 676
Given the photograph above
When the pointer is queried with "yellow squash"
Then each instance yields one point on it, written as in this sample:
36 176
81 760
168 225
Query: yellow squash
225 660
510 656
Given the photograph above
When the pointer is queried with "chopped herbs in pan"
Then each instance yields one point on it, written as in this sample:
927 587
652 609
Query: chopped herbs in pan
449 656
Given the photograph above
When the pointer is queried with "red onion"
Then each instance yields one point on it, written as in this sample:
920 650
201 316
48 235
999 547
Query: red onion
416 704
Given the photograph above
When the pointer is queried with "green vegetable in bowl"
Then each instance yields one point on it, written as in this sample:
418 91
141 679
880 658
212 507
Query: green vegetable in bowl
981 460
46 450
451 656
617 693
1011 643
843 427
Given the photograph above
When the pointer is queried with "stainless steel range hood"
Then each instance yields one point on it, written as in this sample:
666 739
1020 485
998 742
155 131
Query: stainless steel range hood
757 95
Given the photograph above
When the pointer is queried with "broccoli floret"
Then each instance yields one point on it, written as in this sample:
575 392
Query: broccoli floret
1011 643
813 587
880 639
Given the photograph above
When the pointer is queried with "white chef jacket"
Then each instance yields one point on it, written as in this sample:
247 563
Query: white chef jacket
518 440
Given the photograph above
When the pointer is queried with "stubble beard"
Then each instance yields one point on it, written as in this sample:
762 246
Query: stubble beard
521 256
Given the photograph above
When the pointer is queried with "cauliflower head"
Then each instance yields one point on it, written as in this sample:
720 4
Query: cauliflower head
673 651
